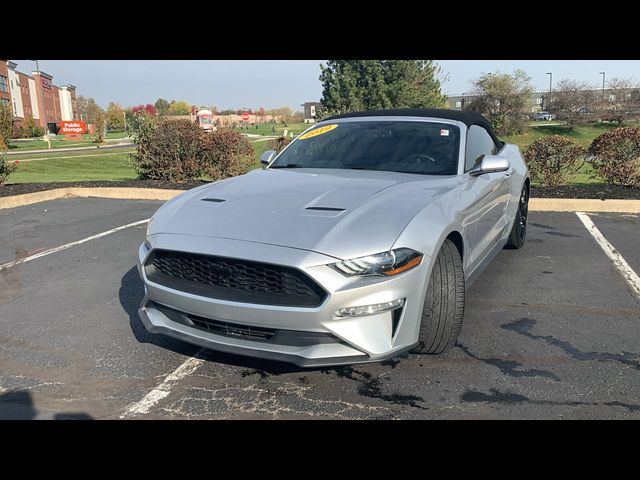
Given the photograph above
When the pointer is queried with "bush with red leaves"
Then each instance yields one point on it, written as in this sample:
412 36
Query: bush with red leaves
553 160
171 151
615 155
227 153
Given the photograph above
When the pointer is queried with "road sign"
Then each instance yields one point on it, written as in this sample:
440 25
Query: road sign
245 116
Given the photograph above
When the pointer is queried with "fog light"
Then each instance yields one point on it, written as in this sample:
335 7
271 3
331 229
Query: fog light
369 309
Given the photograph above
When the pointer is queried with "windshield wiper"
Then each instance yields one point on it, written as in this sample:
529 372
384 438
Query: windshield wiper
289 165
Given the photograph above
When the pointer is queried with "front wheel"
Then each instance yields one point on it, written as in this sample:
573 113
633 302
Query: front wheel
518 233
443 304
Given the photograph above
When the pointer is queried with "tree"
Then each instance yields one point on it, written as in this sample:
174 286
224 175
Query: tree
504 99
81 105
6 126
148 109
351 85
115 116
623 100
572 101
161 106
31 129
99 119
92 110
179 108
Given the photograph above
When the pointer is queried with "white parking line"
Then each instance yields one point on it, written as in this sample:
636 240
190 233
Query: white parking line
69 245
161 391
621 264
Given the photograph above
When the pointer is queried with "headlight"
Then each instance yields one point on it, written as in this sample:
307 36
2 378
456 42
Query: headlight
386 263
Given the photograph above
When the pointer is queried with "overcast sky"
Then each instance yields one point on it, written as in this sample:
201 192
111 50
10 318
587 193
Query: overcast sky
276 83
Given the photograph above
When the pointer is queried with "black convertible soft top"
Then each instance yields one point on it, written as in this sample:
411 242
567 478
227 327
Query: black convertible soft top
468 118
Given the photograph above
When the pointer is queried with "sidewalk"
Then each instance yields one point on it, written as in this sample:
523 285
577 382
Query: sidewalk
72 149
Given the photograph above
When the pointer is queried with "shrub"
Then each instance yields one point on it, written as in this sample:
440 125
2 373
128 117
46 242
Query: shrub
615 155
6 168
31 129
6 125
171 150
227 153
552 160
278 144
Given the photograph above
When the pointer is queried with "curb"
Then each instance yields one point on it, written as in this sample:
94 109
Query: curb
133 193
124 193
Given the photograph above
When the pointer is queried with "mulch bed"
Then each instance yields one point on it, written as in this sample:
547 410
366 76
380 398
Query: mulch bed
20 188
602 192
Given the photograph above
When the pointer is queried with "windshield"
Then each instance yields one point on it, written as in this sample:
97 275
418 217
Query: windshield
427 148
205 120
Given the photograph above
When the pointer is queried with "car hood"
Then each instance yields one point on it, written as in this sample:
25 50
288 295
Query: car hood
341 213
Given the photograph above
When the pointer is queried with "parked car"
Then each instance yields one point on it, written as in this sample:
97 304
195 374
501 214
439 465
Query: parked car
543 116
355 243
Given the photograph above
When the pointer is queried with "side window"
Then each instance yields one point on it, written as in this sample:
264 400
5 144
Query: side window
479 144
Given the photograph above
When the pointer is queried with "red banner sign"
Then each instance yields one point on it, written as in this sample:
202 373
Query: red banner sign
245 116
74 127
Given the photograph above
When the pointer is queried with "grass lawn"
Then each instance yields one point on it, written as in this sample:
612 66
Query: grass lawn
267 129
60 142
108 167
583 134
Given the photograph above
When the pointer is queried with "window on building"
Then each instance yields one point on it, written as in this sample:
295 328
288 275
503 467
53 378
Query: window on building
3 84
4 102
458 104
479 144
612 98
539 100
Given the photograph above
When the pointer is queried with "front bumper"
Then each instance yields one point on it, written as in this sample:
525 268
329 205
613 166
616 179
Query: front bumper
339 340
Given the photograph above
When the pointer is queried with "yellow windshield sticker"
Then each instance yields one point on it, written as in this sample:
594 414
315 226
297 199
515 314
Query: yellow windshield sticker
318 131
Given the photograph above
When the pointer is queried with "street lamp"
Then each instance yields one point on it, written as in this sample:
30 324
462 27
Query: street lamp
550 79
603 77
462 102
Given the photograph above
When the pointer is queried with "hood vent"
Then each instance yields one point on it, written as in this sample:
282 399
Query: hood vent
326 209
213 200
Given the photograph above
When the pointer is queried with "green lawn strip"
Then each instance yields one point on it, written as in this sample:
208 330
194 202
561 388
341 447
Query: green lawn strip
53 154
76 169
268 129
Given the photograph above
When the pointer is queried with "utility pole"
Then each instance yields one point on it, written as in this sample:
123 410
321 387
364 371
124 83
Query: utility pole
462 102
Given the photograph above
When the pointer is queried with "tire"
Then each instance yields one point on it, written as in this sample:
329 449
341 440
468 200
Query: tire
443 309
518 234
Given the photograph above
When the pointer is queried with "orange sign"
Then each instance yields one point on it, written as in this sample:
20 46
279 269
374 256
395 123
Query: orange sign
73 127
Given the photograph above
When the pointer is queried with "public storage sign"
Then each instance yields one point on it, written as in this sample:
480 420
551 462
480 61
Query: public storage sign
72 127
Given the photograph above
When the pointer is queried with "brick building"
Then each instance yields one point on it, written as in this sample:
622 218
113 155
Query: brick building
36 96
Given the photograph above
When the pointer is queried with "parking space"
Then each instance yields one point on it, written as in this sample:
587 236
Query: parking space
551 331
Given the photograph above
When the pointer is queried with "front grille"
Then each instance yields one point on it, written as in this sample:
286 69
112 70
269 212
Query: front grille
232 329
233 279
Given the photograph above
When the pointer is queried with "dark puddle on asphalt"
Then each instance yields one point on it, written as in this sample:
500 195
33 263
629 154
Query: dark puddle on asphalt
524 326
499 397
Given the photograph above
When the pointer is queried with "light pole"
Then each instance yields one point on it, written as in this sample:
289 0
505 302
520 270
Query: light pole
550 79
462 102
603 77
40 97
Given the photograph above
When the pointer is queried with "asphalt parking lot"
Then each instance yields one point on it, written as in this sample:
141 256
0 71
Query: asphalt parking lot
551 331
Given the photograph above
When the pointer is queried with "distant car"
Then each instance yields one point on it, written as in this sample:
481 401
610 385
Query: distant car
354 244
543 116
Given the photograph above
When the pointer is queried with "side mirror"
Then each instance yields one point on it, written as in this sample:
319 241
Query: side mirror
266 157
490 164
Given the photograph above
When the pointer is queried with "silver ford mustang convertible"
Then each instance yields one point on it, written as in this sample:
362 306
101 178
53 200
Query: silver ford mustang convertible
353 244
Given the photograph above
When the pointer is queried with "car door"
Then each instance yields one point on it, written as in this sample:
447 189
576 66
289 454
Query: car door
489 193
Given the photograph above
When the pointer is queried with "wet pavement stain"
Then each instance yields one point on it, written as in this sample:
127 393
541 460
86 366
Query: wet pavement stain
524 326
560 234
541 225
510 367
371 387
500 397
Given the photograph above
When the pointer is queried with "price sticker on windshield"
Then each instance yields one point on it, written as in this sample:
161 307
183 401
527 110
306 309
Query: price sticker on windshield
444 132
318 131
